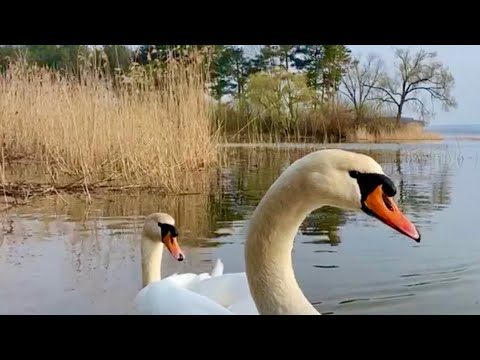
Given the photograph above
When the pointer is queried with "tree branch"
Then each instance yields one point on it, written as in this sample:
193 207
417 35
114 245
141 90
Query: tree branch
417 100
384 100
393 100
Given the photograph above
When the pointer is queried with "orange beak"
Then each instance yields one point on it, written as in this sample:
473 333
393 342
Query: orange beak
385 209
171 244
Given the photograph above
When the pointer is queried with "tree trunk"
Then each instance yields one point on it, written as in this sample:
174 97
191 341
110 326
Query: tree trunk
399 115
239 87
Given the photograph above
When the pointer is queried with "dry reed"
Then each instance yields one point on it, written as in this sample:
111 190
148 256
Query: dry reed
321 125
91 132
326 125
404 132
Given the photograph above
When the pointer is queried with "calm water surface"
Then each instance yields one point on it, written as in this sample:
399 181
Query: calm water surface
66 256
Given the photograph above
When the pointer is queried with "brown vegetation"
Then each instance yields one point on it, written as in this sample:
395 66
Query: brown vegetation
318 126
157 126
403 132
87 133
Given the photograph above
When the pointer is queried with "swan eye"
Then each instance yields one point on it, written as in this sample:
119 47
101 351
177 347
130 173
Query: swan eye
167 228
354 174
389 187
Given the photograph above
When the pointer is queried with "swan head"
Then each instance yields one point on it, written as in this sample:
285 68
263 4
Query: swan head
160 228
353 181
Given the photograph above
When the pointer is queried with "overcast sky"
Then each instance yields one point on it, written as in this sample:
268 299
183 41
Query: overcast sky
463 62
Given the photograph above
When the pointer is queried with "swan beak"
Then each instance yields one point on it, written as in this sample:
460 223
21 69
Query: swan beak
385 209
171 244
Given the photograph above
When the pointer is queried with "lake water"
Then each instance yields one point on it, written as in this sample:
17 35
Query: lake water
67 256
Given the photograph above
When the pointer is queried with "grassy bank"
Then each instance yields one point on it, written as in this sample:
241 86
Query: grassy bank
86 133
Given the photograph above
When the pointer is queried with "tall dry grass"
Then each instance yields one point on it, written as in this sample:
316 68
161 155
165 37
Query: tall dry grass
321 125
404 132
87 130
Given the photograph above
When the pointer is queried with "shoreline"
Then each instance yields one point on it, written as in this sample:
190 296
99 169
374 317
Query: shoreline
21 192
327 144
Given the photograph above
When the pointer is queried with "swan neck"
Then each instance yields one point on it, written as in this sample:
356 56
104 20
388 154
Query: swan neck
268 253
151 260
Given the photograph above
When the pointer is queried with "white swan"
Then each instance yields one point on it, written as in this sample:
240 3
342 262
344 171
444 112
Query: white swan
159 295
331 177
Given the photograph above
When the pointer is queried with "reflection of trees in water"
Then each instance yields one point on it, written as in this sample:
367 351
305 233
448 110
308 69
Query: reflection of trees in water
236 188
325 221
252 171
424 184
422 177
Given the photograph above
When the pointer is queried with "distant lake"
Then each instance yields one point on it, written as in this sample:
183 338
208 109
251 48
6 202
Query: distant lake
456 130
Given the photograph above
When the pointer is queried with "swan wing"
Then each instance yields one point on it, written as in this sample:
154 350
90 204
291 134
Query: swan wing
188 279
245 306
218 269
226 290
166 298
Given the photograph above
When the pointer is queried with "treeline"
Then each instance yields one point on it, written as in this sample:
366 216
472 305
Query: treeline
69 58
319 91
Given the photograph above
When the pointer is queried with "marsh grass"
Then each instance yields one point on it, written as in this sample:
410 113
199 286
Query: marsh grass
321 125
327 126
80 129
403 132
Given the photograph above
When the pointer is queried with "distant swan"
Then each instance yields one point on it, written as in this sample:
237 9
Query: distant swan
159 295
332 177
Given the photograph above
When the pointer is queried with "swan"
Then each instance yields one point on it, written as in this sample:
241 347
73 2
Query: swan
159 295
327 177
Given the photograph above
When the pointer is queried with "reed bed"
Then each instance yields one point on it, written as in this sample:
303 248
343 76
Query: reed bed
404 132
81 130
325 126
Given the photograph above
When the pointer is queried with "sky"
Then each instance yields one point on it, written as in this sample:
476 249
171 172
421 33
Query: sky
463 62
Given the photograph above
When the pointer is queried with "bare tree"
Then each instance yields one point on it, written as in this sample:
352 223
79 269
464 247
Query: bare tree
358 81
416 74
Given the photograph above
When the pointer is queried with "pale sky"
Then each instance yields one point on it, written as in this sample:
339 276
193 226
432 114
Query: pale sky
464 64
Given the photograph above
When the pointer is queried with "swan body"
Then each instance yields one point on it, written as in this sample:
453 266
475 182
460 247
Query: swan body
181 294
330 177
170 297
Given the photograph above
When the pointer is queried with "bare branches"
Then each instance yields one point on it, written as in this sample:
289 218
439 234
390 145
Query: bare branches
418 77
360 79
417 73
421 106
388 94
